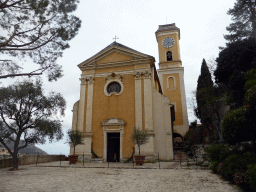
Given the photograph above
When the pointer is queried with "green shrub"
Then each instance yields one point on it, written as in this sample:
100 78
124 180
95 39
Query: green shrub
218 152
235 127
246 147
214 165
214 151
241 177
236 163
252 176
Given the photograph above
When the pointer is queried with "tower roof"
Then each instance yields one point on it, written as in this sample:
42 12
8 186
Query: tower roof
168 28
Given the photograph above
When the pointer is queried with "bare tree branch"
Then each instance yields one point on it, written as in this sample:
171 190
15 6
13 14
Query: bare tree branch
26 49
12 129
20 74
6 147
4 4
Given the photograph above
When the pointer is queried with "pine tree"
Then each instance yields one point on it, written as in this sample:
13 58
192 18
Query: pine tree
39 29
244 16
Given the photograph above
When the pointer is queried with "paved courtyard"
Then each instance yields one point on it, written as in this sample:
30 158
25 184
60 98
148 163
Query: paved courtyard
119 177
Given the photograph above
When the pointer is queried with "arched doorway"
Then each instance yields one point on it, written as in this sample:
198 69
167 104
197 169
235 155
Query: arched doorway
178 140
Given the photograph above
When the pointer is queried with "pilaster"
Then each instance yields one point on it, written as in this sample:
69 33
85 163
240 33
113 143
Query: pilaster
148 106
81 105
184 102
89 105
138 101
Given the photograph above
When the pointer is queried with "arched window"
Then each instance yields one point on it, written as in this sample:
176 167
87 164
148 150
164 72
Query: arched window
113 87
169 56
171 84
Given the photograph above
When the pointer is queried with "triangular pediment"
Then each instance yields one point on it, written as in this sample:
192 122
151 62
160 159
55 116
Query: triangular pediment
113 53
113 122
114 56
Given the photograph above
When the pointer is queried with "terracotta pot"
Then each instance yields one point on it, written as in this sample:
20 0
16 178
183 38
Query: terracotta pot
139 159
72 159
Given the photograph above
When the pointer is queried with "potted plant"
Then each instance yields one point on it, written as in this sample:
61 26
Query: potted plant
139 137
74 139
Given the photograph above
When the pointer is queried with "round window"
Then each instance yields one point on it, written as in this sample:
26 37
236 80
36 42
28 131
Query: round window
113 87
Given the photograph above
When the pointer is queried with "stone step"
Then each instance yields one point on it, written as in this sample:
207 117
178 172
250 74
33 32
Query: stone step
97 160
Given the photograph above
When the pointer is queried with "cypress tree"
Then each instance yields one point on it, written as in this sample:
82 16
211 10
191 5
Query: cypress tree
204 90
204 79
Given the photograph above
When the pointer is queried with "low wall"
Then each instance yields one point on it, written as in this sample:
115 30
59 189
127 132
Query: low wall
32 159
199 155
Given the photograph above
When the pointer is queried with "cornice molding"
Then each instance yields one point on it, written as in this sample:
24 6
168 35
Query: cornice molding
167 33
132 53
170 70
141 61
141 71
173 61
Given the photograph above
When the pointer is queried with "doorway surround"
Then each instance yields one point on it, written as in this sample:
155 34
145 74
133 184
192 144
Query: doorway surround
113 125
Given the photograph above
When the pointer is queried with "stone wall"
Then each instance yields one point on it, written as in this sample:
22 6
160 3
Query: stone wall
199 156
27 159
162 126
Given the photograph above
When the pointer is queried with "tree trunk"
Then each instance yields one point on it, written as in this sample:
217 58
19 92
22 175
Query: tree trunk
139 149
253 20
15 161
253 142
218 123
219 133
74 150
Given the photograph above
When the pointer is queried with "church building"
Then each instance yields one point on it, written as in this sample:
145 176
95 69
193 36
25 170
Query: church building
121 89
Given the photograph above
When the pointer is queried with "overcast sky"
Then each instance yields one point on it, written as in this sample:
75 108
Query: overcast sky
202 25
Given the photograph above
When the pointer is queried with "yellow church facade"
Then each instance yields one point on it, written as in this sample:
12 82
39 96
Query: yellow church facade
121 89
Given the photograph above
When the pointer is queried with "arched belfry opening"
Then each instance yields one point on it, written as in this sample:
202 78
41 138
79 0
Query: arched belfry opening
169 56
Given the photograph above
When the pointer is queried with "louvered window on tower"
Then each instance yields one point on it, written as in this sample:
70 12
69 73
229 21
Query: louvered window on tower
169 56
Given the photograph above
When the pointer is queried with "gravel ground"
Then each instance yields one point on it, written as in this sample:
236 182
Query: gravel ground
67 178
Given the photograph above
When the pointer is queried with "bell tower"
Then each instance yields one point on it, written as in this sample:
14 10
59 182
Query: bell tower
171 75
